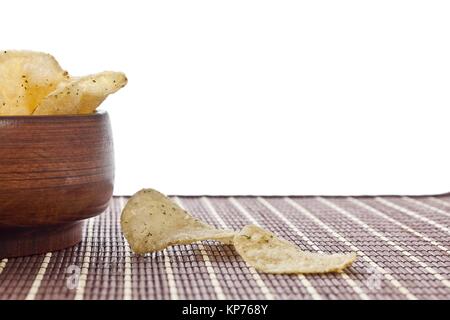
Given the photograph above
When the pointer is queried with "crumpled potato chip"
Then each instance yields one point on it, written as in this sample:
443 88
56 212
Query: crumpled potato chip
150 222
81 95
262 250
26 77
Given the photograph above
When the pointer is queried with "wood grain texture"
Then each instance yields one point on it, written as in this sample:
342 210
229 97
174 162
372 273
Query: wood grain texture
54 170
16 242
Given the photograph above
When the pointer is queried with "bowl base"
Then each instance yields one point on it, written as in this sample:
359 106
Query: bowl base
16 242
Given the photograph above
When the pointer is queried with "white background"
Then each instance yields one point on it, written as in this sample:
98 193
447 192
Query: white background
261 97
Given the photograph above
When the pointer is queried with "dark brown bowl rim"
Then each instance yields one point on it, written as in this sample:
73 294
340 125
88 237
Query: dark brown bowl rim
98 113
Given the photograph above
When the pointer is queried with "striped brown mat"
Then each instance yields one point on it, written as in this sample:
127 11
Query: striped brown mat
403 246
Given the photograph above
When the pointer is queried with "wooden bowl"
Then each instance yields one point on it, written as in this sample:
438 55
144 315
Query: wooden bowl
55 171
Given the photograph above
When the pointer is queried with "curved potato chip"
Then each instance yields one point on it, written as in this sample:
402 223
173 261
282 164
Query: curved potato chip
26 77
81 95
262 250
150 222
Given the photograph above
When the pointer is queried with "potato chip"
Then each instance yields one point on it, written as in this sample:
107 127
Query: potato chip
262 250
150 222
26 77
81 95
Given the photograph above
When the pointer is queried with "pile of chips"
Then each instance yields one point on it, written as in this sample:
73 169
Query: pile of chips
33 83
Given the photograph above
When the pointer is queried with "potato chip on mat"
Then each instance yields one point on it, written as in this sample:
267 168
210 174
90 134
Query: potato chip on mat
151 221
265 252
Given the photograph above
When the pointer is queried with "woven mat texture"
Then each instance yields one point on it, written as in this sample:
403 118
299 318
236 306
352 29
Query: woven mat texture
403 246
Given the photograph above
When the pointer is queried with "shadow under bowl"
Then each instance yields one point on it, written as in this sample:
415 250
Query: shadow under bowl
55 172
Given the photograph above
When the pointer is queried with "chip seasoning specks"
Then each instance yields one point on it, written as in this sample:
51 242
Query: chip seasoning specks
262 250
150 222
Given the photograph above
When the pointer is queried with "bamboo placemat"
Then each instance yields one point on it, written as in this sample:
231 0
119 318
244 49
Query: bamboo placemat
403 246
